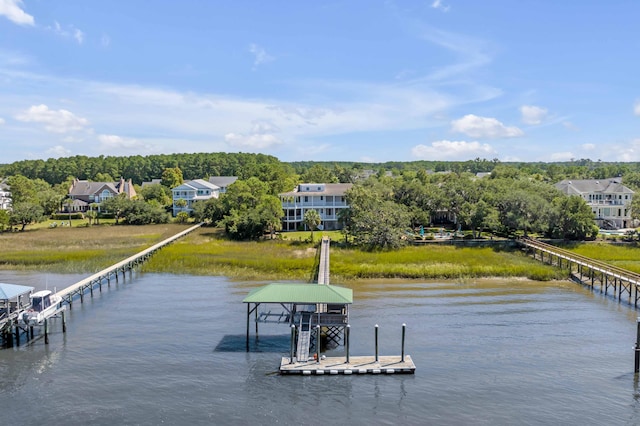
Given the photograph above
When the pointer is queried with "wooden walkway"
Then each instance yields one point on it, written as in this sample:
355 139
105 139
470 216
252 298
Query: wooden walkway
323 267
88 284
590 272
356 365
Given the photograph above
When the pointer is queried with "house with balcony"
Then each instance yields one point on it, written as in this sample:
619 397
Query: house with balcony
609 199
328 199
222 182
5 196
191 191
84 193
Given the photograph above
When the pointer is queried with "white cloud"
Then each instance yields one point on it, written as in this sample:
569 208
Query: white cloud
58 151
437 4
636 108
532 114
452 150
251 141
562 156
569 125
627 152
67 32
115 144
105 40
1 121
484 127
60 121
12 10
588 146
260 55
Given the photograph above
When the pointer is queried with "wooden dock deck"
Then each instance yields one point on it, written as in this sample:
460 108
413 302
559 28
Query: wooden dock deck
356 365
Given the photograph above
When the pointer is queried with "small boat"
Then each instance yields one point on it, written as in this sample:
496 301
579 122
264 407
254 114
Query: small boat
43 304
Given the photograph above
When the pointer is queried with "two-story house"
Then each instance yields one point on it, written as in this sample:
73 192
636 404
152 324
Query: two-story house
222 182
5 196
609 199
190 192
84 193
328 199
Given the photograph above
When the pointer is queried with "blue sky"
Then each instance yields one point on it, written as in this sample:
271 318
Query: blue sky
359 80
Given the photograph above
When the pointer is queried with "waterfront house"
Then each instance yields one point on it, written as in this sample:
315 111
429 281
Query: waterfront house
192 191
609 199
84 193
222 182
5 196
328 199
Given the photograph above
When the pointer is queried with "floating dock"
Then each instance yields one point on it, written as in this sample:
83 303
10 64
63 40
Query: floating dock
356 365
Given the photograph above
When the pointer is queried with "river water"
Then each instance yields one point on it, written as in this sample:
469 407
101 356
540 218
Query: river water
170 349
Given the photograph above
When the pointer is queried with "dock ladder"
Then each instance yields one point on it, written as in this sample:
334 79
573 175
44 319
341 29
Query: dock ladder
304 338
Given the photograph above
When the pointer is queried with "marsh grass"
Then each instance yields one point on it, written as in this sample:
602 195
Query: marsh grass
78 249
625 256
207 252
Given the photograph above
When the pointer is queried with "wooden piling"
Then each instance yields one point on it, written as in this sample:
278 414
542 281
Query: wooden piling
637 348
376 329
293 339
346 340
404 329
64 322
46 331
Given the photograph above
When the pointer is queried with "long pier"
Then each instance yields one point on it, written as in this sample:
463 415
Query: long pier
590 272
80 288
323 267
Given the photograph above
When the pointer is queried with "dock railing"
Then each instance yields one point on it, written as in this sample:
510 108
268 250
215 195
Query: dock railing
67 294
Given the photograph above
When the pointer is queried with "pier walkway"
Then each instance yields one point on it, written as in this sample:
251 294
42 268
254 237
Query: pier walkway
587 271
80 288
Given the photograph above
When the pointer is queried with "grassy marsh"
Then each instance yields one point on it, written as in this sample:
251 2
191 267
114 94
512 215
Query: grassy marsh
206 252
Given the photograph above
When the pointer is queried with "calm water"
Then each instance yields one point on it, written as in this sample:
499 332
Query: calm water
168 349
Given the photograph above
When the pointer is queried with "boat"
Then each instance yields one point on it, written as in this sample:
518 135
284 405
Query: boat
43 305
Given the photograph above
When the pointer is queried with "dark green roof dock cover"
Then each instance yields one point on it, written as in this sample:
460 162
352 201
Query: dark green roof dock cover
300 293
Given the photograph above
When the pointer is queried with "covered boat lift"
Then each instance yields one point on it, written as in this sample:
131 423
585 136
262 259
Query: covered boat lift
14 300
304 307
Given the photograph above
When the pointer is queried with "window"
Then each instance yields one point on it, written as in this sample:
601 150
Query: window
321 197
306 199
329 212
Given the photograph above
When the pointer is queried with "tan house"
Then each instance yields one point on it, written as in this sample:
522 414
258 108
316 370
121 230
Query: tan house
84 193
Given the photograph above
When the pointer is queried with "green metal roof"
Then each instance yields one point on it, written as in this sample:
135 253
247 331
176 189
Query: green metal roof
300 293
9 291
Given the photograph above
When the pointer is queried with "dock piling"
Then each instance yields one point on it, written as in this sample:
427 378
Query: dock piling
346 338
64 322
404 328
293 338
376 328
318 343
46 331
637 348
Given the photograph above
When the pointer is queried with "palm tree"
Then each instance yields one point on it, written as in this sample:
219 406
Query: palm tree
312 220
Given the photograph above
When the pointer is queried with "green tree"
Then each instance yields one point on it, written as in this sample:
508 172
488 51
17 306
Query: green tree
182 217
172 177
318 174
25 213
157 192
116 205
312 220
572 219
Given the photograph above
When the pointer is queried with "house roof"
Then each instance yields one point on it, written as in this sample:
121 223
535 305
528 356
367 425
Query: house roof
196 184
300 293
84 188
583 186
222 181
9 291
329 189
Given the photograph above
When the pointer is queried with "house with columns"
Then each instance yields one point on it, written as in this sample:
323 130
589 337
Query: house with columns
328 199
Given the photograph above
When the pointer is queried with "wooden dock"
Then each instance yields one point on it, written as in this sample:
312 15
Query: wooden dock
356 365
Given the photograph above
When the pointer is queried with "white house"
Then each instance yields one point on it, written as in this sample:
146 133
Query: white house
191 191
328 199
609 199
5 196
222 182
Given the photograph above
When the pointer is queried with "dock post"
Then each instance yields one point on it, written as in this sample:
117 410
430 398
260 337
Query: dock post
100 284
82 295
637 349
404 329
64 322
376 342
31 332
91 288
346 338
46 332
293 338
318 342
248 316
17 331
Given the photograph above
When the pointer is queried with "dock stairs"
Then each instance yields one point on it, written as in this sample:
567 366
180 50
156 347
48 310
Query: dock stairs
304 338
